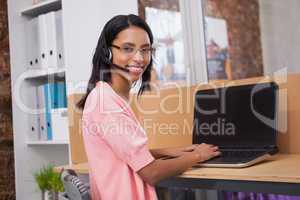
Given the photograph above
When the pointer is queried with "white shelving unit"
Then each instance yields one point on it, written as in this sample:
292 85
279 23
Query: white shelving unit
41 143
82 22
42 7
42 73
30 153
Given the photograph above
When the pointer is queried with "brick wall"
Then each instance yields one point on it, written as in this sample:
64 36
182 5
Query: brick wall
7 187
242 18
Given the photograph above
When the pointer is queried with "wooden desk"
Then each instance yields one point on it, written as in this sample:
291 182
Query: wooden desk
280 168
278 175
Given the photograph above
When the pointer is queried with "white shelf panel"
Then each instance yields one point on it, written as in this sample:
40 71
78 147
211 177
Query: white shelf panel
40 73
47 142
42 7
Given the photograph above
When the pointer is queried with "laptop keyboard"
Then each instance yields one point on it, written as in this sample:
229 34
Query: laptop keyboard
236 156
241 154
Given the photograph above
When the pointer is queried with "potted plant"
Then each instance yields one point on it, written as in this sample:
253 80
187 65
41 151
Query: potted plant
56 185
49 182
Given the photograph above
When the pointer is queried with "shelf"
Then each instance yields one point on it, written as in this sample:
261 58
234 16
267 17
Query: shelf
40 73
47 142
41 8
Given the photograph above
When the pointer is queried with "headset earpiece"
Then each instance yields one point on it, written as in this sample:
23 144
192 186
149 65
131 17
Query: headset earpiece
109 55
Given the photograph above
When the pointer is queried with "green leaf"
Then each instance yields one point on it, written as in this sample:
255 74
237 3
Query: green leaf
47 179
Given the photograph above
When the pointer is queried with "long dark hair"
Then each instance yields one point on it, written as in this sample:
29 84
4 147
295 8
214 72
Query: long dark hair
101 61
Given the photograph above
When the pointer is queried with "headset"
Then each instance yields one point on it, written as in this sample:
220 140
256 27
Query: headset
114 65
109 55
119 67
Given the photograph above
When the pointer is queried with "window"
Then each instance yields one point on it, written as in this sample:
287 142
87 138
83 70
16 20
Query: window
164 18
232 39
205 40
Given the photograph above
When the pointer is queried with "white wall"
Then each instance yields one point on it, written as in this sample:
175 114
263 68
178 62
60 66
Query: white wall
83 23
280 31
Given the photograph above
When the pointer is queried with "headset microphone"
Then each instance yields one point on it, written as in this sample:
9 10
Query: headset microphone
114 65
120 68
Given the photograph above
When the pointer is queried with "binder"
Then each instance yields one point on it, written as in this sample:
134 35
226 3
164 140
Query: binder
42 42
33 118
51 40
60 95
32 45
59 119
52 101
55 39
45 41
49 93
42 113
59 39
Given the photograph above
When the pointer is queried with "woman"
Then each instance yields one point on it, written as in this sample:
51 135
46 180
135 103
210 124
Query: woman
121 166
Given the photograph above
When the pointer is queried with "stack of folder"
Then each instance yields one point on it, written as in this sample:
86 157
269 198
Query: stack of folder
45 51
45 41
52 122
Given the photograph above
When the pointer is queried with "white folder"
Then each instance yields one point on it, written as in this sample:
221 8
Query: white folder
59 119
60 38
33 118
51 40
32 45
42 41
42 115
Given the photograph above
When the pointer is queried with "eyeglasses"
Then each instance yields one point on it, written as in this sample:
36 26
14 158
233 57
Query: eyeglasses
131 51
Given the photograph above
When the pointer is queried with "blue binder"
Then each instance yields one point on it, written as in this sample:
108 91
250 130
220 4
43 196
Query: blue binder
55 97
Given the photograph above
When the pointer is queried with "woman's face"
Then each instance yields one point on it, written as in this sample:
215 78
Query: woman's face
131 49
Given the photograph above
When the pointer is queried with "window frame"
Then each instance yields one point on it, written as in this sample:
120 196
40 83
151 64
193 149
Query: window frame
193 40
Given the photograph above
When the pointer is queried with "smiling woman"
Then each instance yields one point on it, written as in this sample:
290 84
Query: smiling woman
115 142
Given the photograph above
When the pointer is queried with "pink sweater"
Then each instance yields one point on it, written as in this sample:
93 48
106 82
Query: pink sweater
116 147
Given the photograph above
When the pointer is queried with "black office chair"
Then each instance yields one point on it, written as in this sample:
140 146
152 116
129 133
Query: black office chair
75 189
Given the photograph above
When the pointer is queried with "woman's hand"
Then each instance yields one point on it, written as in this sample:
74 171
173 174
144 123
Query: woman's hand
160 169
181 151
206 151
176 152
190 148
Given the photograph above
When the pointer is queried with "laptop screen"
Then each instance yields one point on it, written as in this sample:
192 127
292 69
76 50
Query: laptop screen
236 116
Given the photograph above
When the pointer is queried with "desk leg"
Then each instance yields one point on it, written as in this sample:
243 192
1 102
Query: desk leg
162 193
175 193
206 194
187 193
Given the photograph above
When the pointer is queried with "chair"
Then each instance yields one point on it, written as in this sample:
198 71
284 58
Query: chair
75 189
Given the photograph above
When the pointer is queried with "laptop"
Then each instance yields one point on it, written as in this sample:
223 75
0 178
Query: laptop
240 120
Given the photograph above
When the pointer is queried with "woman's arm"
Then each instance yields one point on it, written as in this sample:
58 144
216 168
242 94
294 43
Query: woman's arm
171 152
161 169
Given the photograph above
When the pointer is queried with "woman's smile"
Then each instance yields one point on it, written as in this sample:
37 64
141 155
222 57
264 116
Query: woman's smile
136 70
